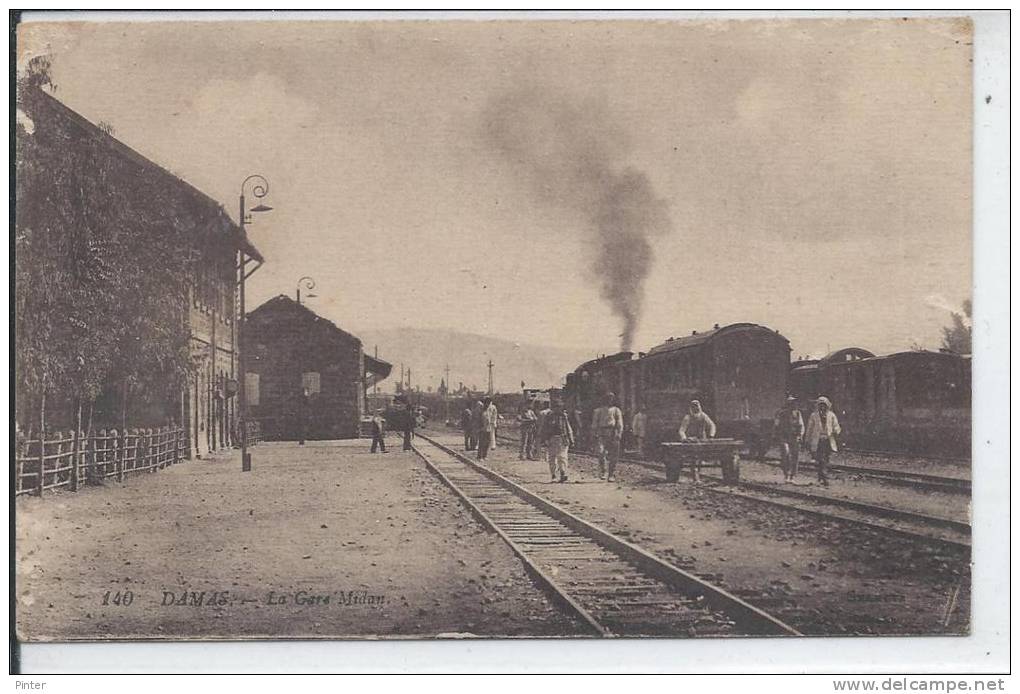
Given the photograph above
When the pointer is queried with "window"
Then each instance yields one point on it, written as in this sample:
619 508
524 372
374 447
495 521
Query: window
251 388
310 382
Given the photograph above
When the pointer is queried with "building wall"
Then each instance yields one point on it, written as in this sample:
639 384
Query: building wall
287 344
184 225
211 409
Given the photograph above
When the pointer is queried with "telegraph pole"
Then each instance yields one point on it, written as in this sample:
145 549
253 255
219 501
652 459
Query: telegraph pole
490 376
446 393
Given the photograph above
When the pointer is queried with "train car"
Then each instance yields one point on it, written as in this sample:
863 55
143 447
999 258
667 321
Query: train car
738 372
908 402
805 380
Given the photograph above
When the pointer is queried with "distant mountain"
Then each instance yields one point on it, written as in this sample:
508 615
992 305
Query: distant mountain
428 351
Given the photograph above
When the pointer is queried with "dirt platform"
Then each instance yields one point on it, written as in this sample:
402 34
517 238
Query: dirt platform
324 540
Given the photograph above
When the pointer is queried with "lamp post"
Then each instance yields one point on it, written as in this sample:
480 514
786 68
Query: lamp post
259 188
309 284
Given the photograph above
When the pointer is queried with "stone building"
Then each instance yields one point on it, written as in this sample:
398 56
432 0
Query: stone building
306 378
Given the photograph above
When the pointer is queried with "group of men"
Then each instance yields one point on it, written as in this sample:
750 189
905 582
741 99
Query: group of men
819 437
378 425
480 424
550 430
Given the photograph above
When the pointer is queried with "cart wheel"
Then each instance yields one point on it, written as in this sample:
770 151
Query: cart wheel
731 470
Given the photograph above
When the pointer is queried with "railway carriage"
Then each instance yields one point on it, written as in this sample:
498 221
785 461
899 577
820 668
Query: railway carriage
738 372
916 402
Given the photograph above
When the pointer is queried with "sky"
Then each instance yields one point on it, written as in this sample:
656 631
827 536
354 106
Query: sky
506 178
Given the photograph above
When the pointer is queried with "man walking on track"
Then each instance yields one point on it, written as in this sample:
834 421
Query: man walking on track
489 417
789 426
378 431
639 425
408 426
476 423
468 427
558 436
540 439
528 419
822 430
607 425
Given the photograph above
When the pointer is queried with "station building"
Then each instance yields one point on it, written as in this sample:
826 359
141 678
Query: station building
305 377
190 225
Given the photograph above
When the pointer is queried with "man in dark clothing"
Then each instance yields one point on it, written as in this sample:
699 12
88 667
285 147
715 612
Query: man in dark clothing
789 428
408 426
558 436
528 420
378 430
469 434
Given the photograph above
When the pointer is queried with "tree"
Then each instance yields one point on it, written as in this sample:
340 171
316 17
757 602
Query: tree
957 337
104 253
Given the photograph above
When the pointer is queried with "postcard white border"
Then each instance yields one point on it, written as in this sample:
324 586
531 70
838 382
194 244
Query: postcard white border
986 650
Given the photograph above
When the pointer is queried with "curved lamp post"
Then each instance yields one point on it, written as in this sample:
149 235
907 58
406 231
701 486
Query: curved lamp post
259 188
309 284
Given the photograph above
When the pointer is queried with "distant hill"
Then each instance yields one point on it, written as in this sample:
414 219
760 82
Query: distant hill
428 352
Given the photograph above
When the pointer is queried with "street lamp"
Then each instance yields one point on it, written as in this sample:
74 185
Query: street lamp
308 284
259 188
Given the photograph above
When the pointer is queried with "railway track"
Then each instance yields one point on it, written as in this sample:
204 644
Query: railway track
610 585
914 480
874 453
913 526
940 532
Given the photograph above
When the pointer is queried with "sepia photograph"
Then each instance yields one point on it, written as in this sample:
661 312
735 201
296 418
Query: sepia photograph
435 328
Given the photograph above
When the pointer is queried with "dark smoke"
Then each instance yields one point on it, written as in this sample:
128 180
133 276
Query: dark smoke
573 160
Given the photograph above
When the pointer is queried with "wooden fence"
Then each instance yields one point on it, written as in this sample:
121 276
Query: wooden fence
65 460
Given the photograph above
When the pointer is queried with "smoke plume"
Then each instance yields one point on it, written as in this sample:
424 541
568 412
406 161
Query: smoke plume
572 159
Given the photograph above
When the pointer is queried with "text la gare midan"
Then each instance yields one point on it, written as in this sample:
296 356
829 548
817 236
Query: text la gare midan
222 598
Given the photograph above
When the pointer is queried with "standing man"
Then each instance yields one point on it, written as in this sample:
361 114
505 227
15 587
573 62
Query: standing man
558 436
696 426
408 426
542 438
822 430
469 432
488 430
607 425
378 431
493 443
789 426
528 419
577 421
639 425
476 422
